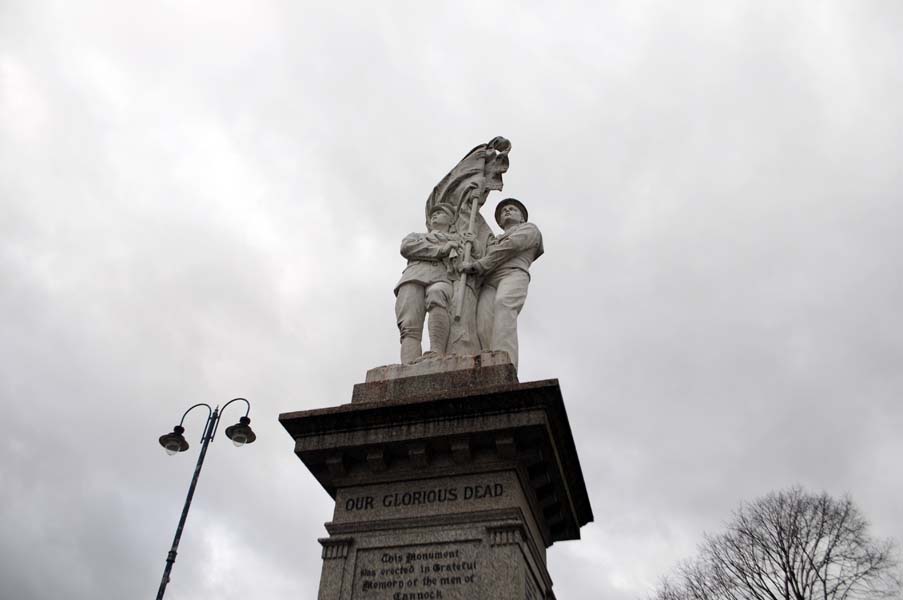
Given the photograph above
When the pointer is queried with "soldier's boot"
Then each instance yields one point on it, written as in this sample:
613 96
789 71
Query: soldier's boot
410 349
438 327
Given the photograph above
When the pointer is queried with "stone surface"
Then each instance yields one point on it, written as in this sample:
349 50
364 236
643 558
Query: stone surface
434 375
438 364
449 494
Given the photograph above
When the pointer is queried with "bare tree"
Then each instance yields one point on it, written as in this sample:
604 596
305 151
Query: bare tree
789 545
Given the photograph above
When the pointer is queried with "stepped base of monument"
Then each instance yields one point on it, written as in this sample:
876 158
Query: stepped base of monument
432 364
444 492
435 375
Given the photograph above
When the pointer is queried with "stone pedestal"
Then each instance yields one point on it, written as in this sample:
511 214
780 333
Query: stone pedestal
450 484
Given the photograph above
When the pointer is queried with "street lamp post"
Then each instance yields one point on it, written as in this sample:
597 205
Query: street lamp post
175 442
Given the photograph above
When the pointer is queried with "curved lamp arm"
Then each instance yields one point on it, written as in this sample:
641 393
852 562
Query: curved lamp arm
209 415
223 409
236 400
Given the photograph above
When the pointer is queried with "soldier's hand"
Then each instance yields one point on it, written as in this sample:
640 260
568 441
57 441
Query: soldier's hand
468 236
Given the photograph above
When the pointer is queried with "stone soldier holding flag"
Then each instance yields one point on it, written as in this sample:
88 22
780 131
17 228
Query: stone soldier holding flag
425 286
471 283
505 271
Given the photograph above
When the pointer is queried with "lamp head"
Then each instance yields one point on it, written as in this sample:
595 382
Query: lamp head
241 433
174 442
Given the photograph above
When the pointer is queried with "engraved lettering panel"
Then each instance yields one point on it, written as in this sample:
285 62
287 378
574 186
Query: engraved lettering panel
447 571
428 497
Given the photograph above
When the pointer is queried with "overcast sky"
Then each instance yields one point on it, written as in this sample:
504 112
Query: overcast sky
201 200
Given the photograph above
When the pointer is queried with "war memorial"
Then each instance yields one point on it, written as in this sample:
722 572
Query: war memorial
451 478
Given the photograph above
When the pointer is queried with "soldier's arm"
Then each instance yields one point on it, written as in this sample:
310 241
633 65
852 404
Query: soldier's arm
501 250
416 246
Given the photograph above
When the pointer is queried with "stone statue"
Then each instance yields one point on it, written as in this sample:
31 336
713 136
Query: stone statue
470 283
425 286
466 187
505 276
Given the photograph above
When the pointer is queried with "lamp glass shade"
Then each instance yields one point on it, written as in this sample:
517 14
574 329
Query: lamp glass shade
241 433
174 442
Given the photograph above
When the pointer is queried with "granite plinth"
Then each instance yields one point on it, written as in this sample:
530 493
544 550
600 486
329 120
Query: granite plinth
444 494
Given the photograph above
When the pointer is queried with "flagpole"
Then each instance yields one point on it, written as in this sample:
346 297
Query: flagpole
468 244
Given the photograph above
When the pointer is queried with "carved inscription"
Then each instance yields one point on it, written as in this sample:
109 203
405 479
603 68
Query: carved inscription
428 572
434 495
429 497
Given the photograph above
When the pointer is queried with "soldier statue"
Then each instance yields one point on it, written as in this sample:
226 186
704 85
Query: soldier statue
505 276
471 283
425 286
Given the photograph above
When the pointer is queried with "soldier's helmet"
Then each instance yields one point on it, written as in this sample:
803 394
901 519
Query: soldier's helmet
507 202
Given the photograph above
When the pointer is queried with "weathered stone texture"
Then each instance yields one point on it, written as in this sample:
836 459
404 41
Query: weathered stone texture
450 373
444 493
